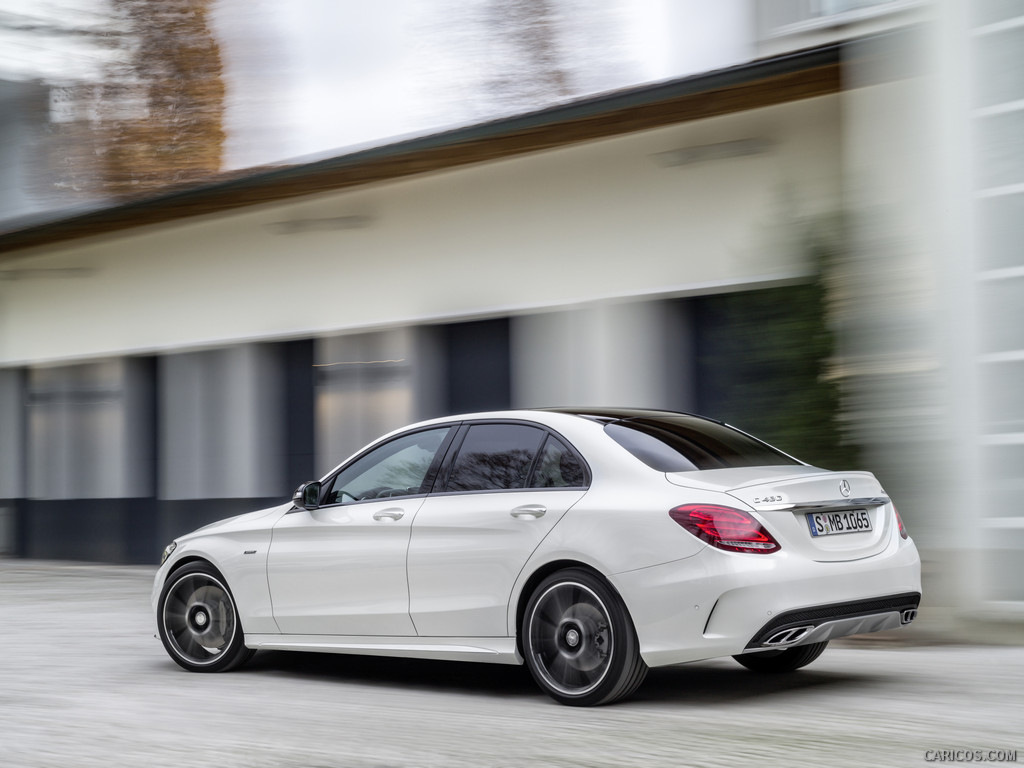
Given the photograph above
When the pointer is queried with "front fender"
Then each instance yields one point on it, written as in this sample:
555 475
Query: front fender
241 559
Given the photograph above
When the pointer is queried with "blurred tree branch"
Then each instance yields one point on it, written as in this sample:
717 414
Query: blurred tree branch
157 117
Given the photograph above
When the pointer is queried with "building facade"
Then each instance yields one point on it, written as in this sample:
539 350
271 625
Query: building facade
176 359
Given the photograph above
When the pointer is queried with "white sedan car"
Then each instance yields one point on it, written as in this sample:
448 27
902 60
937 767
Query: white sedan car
589 543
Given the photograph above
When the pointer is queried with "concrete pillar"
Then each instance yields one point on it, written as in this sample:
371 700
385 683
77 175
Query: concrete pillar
612 353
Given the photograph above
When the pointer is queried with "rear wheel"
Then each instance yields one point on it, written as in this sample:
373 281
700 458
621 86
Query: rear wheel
198 622
579 642
785 660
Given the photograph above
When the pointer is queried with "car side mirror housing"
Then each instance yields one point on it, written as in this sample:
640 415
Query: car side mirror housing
307 495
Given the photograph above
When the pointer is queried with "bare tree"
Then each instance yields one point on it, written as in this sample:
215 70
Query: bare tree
157 116
535 70
500 57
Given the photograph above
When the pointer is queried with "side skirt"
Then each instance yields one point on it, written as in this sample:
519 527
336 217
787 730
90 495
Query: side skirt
492 650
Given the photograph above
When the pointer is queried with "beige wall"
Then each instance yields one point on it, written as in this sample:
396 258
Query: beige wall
552 229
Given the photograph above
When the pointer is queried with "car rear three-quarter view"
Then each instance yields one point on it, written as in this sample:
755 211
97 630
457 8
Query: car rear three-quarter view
589 544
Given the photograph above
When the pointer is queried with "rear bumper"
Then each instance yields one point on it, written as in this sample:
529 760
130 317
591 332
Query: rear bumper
824 622
721 604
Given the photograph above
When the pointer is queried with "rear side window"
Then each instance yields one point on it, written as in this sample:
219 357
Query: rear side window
558 467
687 443
495 457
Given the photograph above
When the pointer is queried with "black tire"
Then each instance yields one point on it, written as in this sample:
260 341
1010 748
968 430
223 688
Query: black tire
783 660
198 621
579 642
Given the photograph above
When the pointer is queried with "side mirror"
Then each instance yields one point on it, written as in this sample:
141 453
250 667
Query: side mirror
307 495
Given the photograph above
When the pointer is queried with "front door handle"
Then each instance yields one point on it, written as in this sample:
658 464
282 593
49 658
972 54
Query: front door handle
389 514
529 510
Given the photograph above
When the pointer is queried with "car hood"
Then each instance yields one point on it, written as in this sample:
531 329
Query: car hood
239 522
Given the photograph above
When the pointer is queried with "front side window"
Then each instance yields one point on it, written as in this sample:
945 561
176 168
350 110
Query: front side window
495 457
398 468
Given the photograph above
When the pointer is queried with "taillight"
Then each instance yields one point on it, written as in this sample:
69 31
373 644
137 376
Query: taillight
899 522
726 528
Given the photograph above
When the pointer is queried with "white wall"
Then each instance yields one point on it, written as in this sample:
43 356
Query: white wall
548 230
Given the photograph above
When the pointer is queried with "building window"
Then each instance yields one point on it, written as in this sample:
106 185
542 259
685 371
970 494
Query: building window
786 17
222 425
364 389
89 430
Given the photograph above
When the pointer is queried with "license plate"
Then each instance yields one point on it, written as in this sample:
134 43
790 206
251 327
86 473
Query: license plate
831 523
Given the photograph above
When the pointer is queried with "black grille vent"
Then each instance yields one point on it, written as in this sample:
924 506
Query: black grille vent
822 613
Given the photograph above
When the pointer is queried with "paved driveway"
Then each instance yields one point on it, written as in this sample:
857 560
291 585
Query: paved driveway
83 682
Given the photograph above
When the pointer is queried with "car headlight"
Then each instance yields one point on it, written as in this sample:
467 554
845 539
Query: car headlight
167 552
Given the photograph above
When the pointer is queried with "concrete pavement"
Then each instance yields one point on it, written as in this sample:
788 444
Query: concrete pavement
83 682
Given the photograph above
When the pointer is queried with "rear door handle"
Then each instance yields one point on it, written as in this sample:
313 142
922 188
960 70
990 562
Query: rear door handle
529 510
389 514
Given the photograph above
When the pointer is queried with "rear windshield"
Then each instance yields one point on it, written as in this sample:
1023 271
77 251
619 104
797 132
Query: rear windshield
681 443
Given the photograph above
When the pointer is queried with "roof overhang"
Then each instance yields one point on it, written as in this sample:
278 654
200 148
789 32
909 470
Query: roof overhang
756 84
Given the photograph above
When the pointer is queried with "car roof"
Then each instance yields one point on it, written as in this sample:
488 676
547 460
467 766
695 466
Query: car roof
621 414
614 413
599 414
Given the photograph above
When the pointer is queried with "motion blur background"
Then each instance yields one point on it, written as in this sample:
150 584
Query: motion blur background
240 238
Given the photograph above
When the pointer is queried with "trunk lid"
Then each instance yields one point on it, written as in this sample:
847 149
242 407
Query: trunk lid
849 511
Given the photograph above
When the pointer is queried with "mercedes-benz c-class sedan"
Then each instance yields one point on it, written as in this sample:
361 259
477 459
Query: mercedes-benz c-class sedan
588 543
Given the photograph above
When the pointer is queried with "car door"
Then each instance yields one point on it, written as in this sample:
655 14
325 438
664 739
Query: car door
470 540
340 569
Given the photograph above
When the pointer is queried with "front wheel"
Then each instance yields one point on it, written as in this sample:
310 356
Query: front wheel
782 660
198 622
579 642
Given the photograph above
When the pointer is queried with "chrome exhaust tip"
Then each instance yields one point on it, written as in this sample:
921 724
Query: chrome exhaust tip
786 637
908 615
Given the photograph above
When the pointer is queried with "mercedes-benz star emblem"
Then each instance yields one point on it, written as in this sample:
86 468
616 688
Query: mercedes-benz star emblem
844 488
